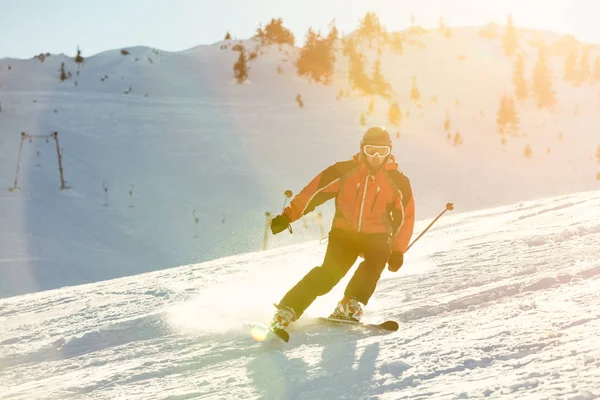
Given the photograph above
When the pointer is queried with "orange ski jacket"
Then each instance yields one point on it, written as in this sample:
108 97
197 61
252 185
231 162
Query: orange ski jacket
364 202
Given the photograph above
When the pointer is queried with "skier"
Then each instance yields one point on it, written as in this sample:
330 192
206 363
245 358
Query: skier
374 217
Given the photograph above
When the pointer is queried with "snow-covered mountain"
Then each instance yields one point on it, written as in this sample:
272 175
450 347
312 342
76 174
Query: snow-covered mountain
497 303
176 131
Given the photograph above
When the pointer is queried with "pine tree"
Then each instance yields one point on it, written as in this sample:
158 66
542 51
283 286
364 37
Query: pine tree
317 57
349 46
570 66
396 43
457 139
333 35
395 115
380 86
78 57
228 36
507 118
542 82
512 116
63 74
356 73
501 117
509 40
415 95
518 79
447 122
240 68
585 72
444 29
276 33
370 27
371 107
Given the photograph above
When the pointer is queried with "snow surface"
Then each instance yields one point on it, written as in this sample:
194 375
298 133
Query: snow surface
200 146
121 297
499 303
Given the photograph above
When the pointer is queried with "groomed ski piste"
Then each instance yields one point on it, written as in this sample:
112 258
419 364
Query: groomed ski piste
499 303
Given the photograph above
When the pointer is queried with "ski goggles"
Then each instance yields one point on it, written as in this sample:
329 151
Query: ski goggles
372 150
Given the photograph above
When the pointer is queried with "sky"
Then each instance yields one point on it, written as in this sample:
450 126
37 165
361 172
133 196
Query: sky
30 27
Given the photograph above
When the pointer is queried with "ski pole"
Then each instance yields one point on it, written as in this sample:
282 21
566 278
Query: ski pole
449 206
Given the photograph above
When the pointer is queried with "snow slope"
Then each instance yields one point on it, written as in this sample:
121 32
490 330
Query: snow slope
499 303
195 145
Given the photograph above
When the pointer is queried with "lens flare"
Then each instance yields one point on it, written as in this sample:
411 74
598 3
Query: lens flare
259 333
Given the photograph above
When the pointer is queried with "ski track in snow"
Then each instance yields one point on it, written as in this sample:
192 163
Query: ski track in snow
511 311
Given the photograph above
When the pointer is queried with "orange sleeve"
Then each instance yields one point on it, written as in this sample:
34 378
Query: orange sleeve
321 188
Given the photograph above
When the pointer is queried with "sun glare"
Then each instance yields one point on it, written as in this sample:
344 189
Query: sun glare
259 333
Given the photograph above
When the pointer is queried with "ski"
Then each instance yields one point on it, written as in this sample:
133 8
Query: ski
281 333
388 325
385 326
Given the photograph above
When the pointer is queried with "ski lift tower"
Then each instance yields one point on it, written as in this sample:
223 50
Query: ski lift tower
26 136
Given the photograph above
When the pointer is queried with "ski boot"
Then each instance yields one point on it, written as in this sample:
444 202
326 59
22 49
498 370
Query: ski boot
283 318
348 309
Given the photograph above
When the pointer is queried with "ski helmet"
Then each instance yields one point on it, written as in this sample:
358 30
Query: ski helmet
376 135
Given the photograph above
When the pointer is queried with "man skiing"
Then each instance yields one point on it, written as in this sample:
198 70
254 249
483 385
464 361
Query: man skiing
374 217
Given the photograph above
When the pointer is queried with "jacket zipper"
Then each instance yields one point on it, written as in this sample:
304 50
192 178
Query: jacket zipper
375 199
362 204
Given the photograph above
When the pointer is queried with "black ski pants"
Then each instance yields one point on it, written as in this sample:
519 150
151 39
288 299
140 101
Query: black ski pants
343 249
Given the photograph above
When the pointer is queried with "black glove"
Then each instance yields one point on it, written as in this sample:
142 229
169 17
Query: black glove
279 224
395 261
